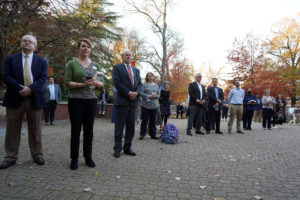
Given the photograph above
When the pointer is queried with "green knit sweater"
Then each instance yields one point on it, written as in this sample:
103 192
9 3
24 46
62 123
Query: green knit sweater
74 73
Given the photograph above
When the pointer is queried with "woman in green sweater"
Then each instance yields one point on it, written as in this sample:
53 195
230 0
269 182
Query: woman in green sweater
82 101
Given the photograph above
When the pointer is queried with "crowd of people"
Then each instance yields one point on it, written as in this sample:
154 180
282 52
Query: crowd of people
25 75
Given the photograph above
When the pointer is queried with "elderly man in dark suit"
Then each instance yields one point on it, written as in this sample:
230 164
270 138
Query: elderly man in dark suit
196 104
128 83
25 75
52 98
215 98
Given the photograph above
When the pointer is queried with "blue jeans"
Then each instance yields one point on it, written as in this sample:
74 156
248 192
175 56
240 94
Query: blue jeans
151 115
102 103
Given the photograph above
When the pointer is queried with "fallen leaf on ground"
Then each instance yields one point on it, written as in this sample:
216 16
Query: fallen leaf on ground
11 184
88 189
97 173
218 198
257 197
202 187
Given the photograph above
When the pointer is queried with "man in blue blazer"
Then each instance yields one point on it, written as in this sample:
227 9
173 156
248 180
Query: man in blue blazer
196 104
25 75
128 83
52 98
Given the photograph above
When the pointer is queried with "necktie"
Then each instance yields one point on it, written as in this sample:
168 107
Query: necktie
130 75
26 72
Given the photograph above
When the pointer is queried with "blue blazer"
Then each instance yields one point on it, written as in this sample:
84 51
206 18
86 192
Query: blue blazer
122 83
13 77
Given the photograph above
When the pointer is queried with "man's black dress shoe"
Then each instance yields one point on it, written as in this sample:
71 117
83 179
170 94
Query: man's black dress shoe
154 138
89 162
117 154
219 132
141 138
39 160
207 131
199 132
6 164
249 129
189 133
130 152
74 164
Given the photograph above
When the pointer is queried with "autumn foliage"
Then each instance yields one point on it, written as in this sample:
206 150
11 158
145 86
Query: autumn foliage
180 77
255 67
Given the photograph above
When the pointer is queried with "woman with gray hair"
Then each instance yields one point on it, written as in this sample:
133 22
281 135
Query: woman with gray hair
149 104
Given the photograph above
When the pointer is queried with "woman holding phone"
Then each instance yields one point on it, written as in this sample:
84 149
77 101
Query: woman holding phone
149 105
82 101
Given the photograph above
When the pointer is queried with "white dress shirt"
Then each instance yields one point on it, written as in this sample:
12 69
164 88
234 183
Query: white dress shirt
52 91
200 88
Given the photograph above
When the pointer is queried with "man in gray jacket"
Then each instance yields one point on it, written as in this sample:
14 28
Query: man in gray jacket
52 97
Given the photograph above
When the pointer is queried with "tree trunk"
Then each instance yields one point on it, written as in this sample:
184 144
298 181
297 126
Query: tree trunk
3 54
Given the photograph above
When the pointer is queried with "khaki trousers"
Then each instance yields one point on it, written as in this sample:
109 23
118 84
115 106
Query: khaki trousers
236 111
257 115
14 119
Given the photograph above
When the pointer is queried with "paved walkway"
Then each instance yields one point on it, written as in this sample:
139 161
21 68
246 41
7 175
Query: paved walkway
260 163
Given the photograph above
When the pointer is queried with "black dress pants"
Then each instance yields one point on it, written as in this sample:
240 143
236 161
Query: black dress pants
247 118
195 112
214 118
82 113
49 110
125 118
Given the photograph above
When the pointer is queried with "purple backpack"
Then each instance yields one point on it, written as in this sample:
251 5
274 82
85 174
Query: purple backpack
169 134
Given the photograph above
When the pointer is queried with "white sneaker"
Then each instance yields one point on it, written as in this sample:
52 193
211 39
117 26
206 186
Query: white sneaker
103 113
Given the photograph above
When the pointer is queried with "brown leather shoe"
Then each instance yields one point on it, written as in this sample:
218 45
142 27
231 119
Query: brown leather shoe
241 132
